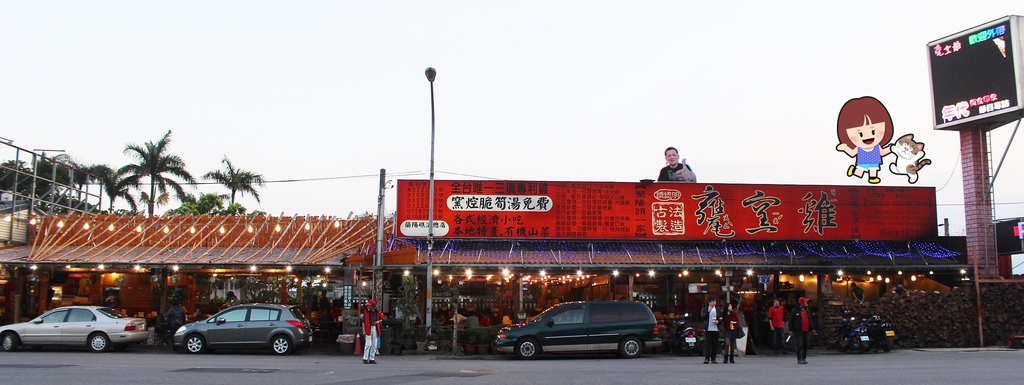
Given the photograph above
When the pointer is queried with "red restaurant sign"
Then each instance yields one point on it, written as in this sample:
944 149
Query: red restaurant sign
683 211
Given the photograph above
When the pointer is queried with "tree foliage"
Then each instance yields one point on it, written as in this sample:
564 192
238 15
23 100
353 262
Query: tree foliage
154 164
236 180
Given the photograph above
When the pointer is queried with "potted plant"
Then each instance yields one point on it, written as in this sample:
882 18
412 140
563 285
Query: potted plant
406 309
430 343
484 336
467 341
409 338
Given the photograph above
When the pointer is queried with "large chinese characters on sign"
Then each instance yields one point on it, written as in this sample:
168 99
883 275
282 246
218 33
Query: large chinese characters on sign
683 211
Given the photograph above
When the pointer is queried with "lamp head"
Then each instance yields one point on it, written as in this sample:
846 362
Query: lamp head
431 74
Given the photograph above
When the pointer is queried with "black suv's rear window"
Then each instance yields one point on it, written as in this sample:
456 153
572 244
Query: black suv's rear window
604 312
635 312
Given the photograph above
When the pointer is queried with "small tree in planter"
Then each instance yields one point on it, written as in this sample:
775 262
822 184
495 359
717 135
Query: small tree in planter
407 300
407 307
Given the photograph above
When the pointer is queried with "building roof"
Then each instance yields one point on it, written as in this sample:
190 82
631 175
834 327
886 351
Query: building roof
216 240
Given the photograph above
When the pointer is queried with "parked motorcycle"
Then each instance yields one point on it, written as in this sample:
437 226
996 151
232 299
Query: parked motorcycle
686 338
849 334
863 334
880 333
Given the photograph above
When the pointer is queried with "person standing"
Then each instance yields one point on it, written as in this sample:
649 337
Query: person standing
858 293
675 171
776 315
801 325
112 303
175 318
712 316
732 323
371 320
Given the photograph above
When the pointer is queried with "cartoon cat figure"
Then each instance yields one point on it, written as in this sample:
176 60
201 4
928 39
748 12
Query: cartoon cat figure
909 158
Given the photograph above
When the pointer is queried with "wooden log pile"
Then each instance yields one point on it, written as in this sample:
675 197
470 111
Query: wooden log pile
938 319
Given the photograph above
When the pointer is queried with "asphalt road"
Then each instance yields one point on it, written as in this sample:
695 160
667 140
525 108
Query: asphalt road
158 365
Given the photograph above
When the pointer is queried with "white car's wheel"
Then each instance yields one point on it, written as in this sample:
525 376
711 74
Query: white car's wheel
10 342
99 342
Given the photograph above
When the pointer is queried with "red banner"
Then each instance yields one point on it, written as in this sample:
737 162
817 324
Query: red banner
683 211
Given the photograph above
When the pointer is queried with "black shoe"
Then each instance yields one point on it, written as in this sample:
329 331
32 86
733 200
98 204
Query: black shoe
366 362
802 362
714 361
707 361
374 362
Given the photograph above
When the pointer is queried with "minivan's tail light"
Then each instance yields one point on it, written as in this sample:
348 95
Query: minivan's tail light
296 323
501 336
655 329
129 327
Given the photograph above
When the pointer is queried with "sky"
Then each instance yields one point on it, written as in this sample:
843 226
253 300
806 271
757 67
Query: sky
319 96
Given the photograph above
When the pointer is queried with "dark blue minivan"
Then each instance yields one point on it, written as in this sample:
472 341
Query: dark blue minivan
618 326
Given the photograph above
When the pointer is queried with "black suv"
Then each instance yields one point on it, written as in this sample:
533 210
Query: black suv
622 326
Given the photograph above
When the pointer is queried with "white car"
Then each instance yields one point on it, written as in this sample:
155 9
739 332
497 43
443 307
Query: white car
98 328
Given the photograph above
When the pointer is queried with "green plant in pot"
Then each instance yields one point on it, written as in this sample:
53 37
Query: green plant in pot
484 336
430 343
467 341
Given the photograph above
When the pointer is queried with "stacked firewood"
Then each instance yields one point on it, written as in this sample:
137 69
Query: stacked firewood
938 319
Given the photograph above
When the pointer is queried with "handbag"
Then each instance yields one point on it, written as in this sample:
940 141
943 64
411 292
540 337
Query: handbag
739 333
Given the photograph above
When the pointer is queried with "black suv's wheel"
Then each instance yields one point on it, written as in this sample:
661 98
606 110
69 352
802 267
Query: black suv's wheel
631 347
281 344
527 348
195 343
99 342
10 342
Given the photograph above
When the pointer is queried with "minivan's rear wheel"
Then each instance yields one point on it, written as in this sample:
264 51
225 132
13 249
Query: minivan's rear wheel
631 347
195 343
527 348
281 344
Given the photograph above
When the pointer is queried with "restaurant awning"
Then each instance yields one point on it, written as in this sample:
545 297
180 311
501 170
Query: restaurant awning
781 254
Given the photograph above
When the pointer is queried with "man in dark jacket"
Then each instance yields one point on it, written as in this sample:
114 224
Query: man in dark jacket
712 317
175 318
802 324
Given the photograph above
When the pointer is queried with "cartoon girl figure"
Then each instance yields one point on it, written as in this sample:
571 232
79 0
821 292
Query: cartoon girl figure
865 129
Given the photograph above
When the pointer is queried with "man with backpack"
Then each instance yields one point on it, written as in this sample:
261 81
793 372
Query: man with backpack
175 318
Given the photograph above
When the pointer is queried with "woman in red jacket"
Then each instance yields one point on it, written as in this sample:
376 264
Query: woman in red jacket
732 324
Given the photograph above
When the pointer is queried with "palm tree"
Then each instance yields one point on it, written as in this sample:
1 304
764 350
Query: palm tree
236 180
153 163
113 185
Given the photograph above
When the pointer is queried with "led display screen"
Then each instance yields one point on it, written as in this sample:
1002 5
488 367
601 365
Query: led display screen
975 76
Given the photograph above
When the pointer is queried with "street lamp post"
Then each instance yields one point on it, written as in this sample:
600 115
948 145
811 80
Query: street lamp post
431 74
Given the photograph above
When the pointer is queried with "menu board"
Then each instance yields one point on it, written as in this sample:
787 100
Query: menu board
684 211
